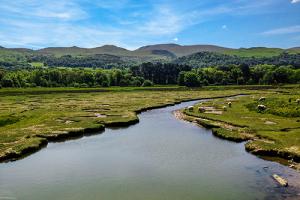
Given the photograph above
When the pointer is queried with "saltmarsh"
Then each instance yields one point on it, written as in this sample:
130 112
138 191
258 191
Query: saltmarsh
274 131
30 118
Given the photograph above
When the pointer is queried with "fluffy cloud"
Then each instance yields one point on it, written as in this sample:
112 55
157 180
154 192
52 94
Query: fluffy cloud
61 10
295 1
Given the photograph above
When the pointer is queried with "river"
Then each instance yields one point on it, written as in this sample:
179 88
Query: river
160 158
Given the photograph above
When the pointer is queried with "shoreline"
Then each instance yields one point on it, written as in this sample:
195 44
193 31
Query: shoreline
77 134
215 126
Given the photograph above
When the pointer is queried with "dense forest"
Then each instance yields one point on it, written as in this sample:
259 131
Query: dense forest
26 68
15 60
147 74
91 61
207 59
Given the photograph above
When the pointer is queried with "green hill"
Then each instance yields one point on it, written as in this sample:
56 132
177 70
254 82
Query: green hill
255 52
76 51
180 50
207 59
110 55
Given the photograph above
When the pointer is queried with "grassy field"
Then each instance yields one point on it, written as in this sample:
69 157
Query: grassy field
255 52
41 90
30 118
274 131
259 52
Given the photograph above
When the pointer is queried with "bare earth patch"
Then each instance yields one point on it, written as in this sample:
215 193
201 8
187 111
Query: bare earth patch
98 115
270 123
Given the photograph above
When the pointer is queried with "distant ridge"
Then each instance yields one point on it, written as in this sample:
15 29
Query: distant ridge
180 50
74 50
155 52
109 49
294 48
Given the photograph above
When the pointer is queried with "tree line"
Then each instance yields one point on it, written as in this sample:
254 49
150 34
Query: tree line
15 60
147 74
207 59
90 61
70 77
240 75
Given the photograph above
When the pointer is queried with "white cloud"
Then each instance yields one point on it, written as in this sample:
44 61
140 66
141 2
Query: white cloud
284 30
164 22
295 1
61 10
41 34
36 23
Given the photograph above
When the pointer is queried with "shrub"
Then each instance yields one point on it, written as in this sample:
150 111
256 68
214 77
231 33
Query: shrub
124 82
84 85
105 84
136 83
147 83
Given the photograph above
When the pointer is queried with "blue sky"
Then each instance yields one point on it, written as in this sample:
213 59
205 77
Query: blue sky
132 23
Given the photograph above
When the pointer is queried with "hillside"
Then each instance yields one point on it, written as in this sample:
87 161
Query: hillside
109 49
207 59
109 55
255 52
76 51
180 50
294 50
12 58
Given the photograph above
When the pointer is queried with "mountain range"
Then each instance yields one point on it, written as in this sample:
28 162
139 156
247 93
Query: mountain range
110 55
164 50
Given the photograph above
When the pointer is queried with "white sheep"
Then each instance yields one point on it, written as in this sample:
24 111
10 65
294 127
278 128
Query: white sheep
225 108
298 101
229 104
191 108
262 98
261 107
201 109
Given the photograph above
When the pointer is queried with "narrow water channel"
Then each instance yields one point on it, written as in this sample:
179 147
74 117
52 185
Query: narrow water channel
160 158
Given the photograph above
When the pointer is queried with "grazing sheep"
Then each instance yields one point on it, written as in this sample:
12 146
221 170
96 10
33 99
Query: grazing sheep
229 104
225 108
261 107
262 99
191 108
298 101
201 109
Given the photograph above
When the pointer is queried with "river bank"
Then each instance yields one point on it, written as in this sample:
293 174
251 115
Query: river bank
82 117
160 158
236 126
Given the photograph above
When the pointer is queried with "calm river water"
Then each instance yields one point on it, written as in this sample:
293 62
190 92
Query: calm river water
160 158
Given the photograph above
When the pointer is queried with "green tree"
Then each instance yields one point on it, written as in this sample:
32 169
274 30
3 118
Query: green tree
180 79
283 74
191 79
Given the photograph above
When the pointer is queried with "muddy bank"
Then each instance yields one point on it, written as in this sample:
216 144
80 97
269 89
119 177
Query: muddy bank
233 133
41 141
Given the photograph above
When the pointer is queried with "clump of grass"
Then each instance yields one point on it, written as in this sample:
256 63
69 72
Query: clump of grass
6 120
232 135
